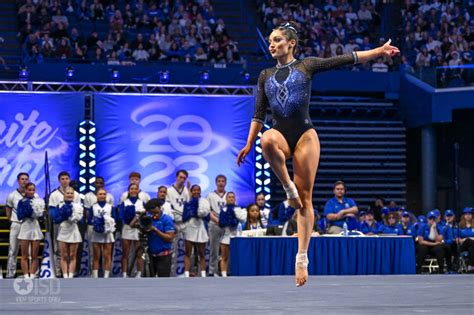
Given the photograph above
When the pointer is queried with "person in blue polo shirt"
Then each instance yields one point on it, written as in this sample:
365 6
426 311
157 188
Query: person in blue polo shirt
160 239
370 226
338 209
450 234
430 241
466 236
438 217
391 224
405 226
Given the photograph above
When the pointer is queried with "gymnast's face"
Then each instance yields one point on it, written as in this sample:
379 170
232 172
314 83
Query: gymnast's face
279 45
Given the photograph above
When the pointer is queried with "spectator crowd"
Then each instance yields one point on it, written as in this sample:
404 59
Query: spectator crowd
123 32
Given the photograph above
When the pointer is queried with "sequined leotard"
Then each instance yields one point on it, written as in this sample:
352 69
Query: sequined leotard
287 90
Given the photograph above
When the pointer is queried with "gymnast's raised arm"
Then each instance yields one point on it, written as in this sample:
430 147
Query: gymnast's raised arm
314 64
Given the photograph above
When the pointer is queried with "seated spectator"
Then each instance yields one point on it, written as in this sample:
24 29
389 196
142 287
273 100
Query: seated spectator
406 227
278 217
216 54
200 55
390 225
138 40
59 32
96 10
140 54
430 241
339 208
112 60
466 236
264 211
47 51
232 54
75 38
84 12
63 51
78 55
379 66
46 40
116 21
109 43
125 52
98 57
450 234
93 41
291 226
156 53
187 51
35 56
70 8
254 218
60 18
370 226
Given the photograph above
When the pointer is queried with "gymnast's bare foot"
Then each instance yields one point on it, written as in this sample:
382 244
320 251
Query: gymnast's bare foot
301 269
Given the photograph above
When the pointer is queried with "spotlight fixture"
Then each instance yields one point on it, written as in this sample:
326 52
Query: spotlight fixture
69 72
115 75
164 76
23 73
246 76
204 76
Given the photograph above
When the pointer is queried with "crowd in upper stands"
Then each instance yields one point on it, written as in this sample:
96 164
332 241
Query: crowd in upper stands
437 33
331 28
123 32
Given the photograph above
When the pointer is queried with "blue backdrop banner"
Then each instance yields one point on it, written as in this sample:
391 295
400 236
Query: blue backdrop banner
31 124
157 135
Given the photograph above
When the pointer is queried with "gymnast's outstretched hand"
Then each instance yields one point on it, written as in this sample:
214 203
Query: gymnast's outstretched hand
389 50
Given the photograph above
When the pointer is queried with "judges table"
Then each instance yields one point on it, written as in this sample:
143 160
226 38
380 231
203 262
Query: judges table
328 255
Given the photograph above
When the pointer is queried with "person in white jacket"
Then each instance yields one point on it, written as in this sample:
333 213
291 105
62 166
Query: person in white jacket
196 216
66 215
229 219
29 210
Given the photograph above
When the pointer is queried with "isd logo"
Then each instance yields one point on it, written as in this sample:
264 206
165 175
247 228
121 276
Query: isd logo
23 286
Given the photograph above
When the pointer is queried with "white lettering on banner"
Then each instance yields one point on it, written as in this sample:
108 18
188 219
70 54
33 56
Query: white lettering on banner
41 131
47 264
192 156
24 140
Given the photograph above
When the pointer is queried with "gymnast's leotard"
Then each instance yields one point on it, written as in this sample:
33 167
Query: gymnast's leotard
287 90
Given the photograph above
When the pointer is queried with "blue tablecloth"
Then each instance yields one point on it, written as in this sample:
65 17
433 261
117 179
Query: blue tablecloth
328 255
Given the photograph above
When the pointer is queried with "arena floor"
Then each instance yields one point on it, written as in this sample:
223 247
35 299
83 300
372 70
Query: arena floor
445 294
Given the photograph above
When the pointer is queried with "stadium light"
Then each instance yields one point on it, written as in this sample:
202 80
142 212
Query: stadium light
69 72
164 76
23 73
204 76
115 75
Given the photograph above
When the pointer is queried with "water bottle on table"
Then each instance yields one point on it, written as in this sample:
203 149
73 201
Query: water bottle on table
345 231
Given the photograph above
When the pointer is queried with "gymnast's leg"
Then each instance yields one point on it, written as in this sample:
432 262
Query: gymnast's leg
276 151
305 165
